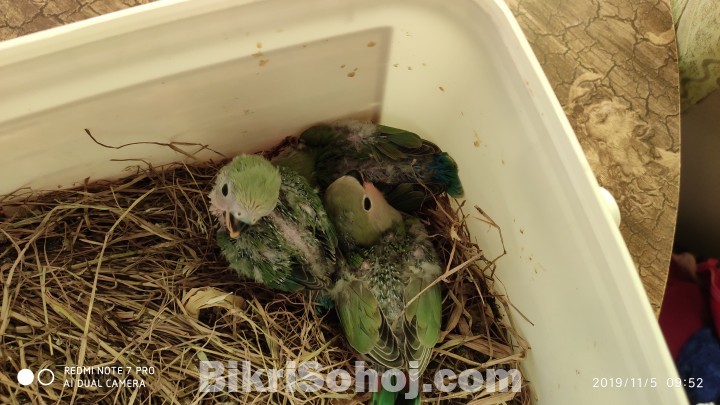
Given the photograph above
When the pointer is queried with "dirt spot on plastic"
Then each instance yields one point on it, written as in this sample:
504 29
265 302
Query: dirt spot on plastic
263 62
441 88
351 74
258 45
371 44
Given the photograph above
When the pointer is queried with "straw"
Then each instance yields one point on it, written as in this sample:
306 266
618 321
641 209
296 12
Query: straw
127 274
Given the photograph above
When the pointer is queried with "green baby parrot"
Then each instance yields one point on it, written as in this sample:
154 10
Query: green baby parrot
405 167
390 260
275 230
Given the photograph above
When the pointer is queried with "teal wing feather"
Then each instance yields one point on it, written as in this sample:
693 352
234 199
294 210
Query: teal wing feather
404 166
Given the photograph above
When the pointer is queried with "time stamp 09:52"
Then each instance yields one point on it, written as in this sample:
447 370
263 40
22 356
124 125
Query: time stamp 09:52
650 382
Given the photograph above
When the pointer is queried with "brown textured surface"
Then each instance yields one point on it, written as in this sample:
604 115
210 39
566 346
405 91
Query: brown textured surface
613 66
20 17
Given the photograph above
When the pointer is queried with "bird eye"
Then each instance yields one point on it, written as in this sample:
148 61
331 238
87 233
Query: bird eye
224 190
367 204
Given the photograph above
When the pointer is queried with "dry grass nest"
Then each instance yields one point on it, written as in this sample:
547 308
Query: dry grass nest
126 274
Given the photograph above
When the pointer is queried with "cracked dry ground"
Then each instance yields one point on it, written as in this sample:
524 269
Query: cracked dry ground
613 66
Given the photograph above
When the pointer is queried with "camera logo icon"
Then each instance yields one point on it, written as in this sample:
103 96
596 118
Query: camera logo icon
44 377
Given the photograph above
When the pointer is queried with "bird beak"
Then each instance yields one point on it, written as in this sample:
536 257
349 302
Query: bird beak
234 233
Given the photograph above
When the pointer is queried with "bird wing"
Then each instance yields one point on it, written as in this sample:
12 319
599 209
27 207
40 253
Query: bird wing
408 185
405 197
319 135
303 206
365 326
298 157
422 320
405 167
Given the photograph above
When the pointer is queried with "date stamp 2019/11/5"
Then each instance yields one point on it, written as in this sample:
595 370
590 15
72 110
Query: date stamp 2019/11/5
646 382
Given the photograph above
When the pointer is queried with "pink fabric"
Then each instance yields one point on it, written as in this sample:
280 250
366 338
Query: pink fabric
711 265
684 310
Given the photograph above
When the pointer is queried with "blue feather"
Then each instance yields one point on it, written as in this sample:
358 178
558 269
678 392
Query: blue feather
445 171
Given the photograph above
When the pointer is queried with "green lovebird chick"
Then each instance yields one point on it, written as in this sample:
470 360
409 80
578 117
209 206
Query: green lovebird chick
390 259
276 230
395 160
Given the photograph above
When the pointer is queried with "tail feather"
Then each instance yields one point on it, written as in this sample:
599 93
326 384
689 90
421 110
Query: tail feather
446 172
383 398
392 398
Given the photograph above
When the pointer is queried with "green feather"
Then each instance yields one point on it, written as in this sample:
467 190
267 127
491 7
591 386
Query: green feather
301 161
319 135
384 398
253 179
364 325
388 156
374 291
401 137
359 317
291 248
424 311
404 197
388 151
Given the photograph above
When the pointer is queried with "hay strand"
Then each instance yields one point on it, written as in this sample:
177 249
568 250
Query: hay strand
127 274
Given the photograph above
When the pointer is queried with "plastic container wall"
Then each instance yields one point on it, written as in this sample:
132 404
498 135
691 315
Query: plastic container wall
239 76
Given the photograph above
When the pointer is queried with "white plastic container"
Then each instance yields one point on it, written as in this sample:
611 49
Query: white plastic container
239 75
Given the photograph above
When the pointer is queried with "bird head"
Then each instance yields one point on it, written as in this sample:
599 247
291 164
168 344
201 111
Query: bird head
245 190
359 210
